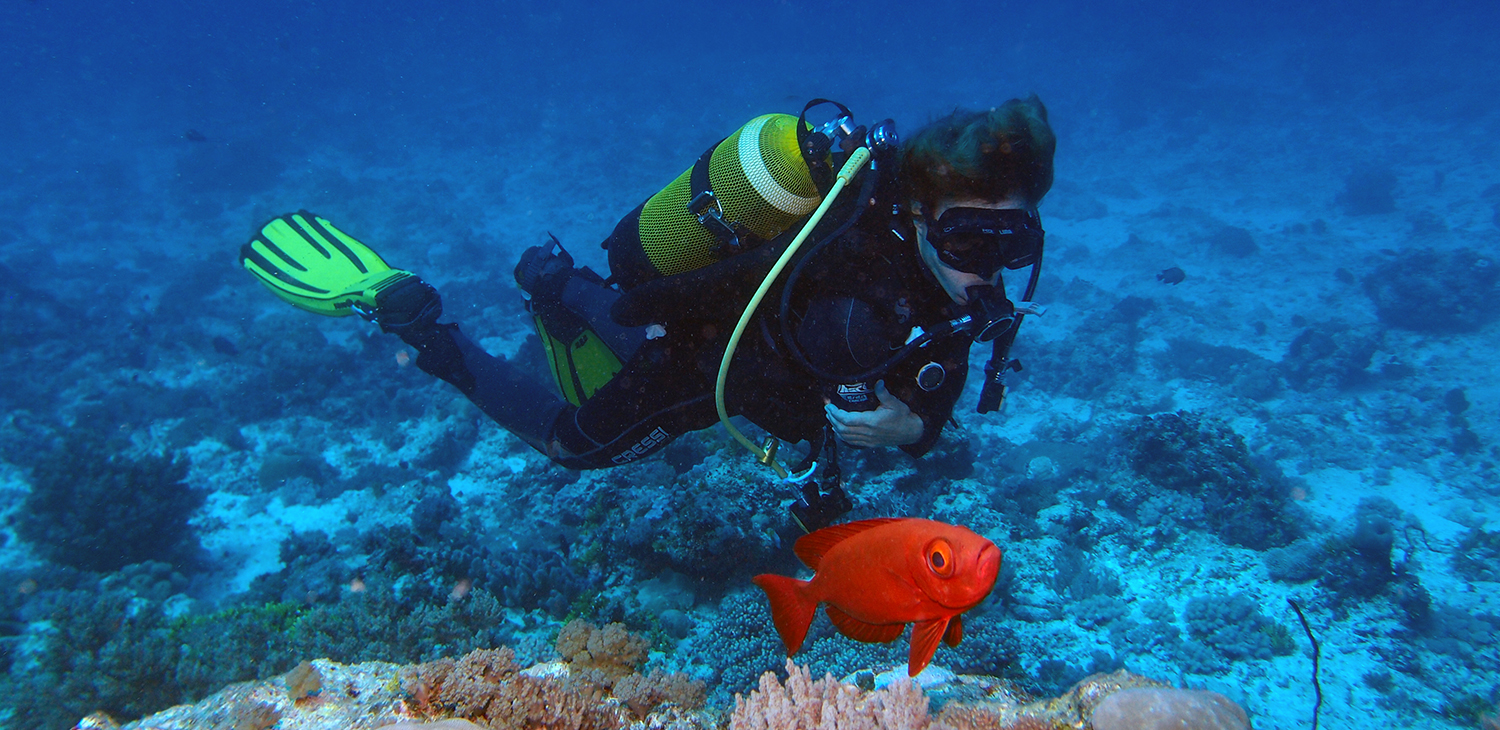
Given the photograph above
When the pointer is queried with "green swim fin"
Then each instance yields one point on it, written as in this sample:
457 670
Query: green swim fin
310 264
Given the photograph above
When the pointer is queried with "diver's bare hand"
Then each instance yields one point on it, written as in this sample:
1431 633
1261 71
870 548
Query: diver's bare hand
891 423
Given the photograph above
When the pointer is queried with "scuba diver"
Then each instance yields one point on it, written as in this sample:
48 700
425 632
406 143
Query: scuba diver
825 282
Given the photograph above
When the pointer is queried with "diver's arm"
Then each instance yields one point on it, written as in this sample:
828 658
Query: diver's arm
934 407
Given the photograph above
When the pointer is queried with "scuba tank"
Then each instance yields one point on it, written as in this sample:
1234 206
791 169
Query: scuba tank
747 189
743 191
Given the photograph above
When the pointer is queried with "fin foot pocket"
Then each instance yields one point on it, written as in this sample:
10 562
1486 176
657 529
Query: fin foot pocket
542 274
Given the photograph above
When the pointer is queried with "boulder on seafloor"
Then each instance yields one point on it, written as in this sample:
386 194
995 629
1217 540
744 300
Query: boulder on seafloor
1166 708
371 696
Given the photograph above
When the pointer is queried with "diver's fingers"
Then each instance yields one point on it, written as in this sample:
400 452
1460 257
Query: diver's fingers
854 436
888 401
839 417
845 426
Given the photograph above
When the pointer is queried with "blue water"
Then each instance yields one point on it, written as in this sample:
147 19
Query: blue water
1343 356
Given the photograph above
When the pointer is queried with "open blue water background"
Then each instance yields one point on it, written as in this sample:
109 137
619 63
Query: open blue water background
142 143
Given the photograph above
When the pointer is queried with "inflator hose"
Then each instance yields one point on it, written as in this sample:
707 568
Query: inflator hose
856 161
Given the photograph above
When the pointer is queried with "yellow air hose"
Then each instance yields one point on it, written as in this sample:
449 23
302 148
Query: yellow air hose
767 454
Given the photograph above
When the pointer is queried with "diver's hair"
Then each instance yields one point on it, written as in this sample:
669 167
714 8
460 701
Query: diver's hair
986 155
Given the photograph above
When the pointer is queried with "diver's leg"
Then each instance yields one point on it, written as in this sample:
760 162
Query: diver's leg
591 299
310 263
517 402
658 396
547 275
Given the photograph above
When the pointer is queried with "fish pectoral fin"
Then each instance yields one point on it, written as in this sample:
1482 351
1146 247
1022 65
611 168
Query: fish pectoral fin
955 632
860 631
924 643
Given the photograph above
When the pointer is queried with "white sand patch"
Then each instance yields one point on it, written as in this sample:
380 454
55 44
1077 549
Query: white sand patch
1337 493
247 532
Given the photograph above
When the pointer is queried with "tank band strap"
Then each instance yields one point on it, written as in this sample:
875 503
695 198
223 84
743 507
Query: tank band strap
733 237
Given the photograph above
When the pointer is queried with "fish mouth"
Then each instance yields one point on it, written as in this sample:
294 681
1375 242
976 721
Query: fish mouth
987 566
986 570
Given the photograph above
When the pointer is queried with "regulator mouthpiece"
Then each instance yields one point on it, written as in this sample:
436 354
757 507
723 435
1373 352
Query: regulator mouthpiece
993 313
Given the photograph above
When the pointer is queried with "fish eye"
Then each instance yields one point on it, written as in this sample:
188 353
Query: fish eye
940 558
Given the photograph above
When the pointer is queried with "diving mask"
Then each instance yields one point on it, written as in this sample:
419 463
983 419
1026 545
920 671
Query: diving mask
981 241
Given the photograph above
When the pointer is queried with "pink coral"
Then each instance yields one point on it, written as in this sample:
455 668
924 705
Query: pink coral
827 704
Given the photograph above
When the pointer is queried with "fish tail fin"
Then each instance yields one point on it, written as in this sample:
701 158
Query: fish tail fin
791 610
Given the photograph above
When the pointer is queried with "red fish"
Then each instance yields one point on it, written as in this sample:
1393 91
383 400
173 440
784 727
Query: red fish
877 576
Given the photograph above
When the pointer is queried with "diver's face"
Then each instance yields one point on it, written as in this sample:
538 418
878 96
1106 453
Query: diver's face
954 282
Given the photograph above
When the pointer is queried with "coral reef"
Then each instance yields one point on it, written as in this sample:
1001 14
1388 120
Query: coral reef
1203 458
1329 355
94 511
1478 555
605 654
1233 241
1245 373
114 645
826 704
1357 564
488 690
1168 709
487 687
1436 292
1101 350
1115 701
1235 628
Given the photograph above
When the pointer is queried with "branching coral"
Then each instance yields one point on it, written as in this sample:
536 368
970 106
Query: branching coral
488 686
642 694
93 511
827 704
1203 457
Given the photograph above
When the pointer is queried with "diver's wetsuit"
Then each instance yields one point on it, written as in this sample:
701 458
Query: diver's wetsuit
667 388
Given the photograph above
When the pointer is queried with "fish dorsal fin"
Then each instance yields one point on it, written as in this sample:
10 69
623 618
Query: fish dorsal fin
860 631
811 548
955 632
924 643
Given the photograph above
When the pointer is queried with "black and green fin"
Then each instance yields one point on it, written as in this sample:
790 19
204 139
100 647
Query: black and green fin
579 359
309 263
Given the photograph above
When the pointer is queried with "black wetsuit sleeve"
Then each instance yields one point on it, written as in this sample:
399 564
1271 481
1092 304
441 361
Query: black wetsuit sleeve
934 407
